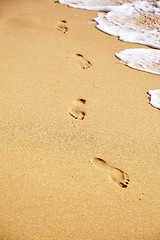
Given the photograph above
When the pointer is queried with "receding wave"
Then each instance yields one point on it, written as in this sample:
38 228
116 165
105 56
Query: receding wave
155 98
97 5
137 22
147 60
131 21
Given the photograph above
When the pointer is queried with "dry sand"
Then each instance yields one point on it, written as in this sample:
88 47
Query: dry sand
62 177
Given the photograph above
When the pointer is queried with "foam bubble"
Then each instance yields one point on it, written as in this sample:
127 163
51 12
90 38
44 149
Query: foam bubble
155 98
137 22
147 60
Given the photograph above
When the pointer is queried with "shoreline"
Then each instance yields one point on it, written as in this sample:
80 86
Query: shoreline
51 58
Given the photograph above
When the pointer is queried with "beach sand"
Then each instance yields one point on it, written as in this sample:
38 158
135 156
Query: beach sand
80 142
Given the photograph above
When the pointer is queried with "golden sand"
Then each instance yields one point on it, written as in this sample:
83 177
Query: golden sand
79 140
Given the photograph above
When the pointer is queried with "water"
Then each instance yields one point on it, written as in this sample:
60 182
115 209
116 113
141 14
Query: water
141 59
137 22
131 21
155 98
96 5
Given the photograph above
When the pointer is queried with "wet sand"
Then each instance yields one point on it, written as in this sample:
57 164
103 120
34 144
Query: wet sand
79 139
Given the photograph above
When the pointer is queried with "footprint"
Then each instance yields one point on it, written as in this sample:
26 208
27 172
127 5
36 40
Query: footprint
77 110
116 175
61 26
83 62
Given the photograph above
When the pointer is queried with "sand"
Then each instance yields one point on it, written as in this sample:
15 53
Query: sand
79 140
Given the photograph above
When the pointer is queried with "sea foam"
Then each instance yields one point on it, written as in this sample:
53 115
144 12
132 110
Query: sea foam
96 5
147 60
155 98
131 21
137 22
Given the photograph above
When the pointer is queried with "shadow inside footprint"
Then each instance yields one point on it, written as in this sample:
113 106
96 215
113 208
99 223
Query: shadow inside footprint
83 62
77 110
61 26
116 175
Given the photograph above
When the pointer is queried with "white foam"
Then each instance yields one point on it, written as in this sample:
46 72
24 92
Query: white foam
95 5
147 60
137 22
155 98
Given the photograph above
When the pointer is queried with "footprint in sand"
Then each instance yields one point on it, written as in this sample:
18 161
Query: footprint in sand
83 62
77 110
61 26
116 175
